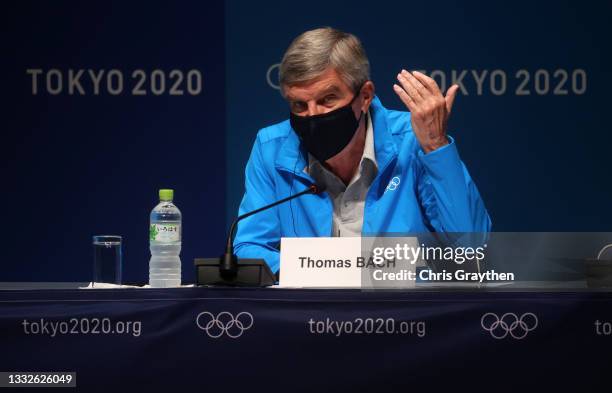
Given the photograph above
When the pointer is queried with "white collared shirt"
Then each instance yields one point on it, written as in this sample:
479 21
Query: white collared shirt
348 201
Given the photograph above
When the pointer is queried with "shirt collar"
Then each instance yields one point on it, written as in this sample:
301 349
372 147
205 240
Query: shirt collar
369 152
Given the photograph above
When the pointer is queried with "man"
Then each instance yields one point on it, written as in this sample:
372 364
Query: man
384 171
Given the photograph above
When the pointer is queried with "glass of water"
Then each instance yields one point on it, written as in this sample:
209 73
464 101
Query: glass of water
107 259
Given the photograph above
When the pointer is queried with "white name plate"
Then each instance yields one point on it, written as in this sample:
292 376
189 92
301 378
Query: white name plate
344 262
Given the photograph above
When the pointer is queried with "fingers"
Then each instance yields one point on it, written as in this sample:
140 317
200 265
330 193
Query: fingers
413 87
428 82
451 93
419 90
406 99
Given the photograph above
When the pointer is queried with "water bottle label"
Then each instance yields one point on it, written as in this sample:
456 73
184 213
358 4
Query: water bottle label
165 233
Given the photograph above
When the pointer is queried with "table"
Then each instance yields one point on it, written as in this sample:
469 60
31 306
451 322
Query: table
208 339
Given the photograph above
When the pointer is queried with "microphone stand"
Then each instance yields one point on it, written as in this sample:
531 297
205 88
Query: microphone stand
228 266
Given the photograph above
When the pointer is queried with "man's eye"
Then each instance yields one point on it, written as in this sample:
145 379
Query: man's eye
298 107
329 99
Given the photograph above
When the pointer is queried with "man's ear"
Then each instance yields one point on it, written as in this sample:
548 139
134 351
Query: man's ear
367 93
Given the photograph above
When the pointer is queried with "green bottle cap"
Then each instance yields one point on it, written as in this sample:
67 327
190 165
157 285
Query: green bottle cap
166 195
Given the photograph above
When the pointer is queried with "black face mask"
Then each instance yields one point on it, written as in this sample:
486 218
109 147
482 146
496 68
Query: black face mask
327 134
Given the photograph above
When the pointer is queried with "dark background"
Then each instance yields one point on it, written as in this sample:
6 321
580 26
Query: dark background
77 165
74 166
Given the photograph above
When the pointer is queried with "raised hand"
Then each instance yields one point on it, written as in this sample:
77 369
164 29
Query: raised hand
429 108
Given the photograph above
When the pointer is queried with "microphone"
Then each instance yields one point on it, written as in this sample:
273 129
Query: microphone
229 262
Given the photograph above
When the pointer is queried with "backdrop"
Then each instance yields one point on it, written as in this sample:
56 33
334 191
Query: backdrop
104 103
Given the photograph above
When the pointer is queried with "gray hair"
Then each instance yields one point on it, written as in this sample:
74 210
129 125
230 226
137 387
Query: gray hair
312 52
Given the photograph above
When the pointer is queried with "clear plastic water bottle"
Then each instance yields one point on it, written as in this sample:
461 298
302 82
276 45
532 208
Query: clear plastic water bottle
165 243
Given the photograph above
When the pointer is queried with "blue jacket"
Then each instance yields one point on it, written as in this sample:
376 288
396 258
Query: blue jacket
413 192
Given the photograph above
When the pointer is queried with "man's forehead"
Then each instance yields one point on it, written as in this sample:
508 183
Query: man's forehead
312 91
329 82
